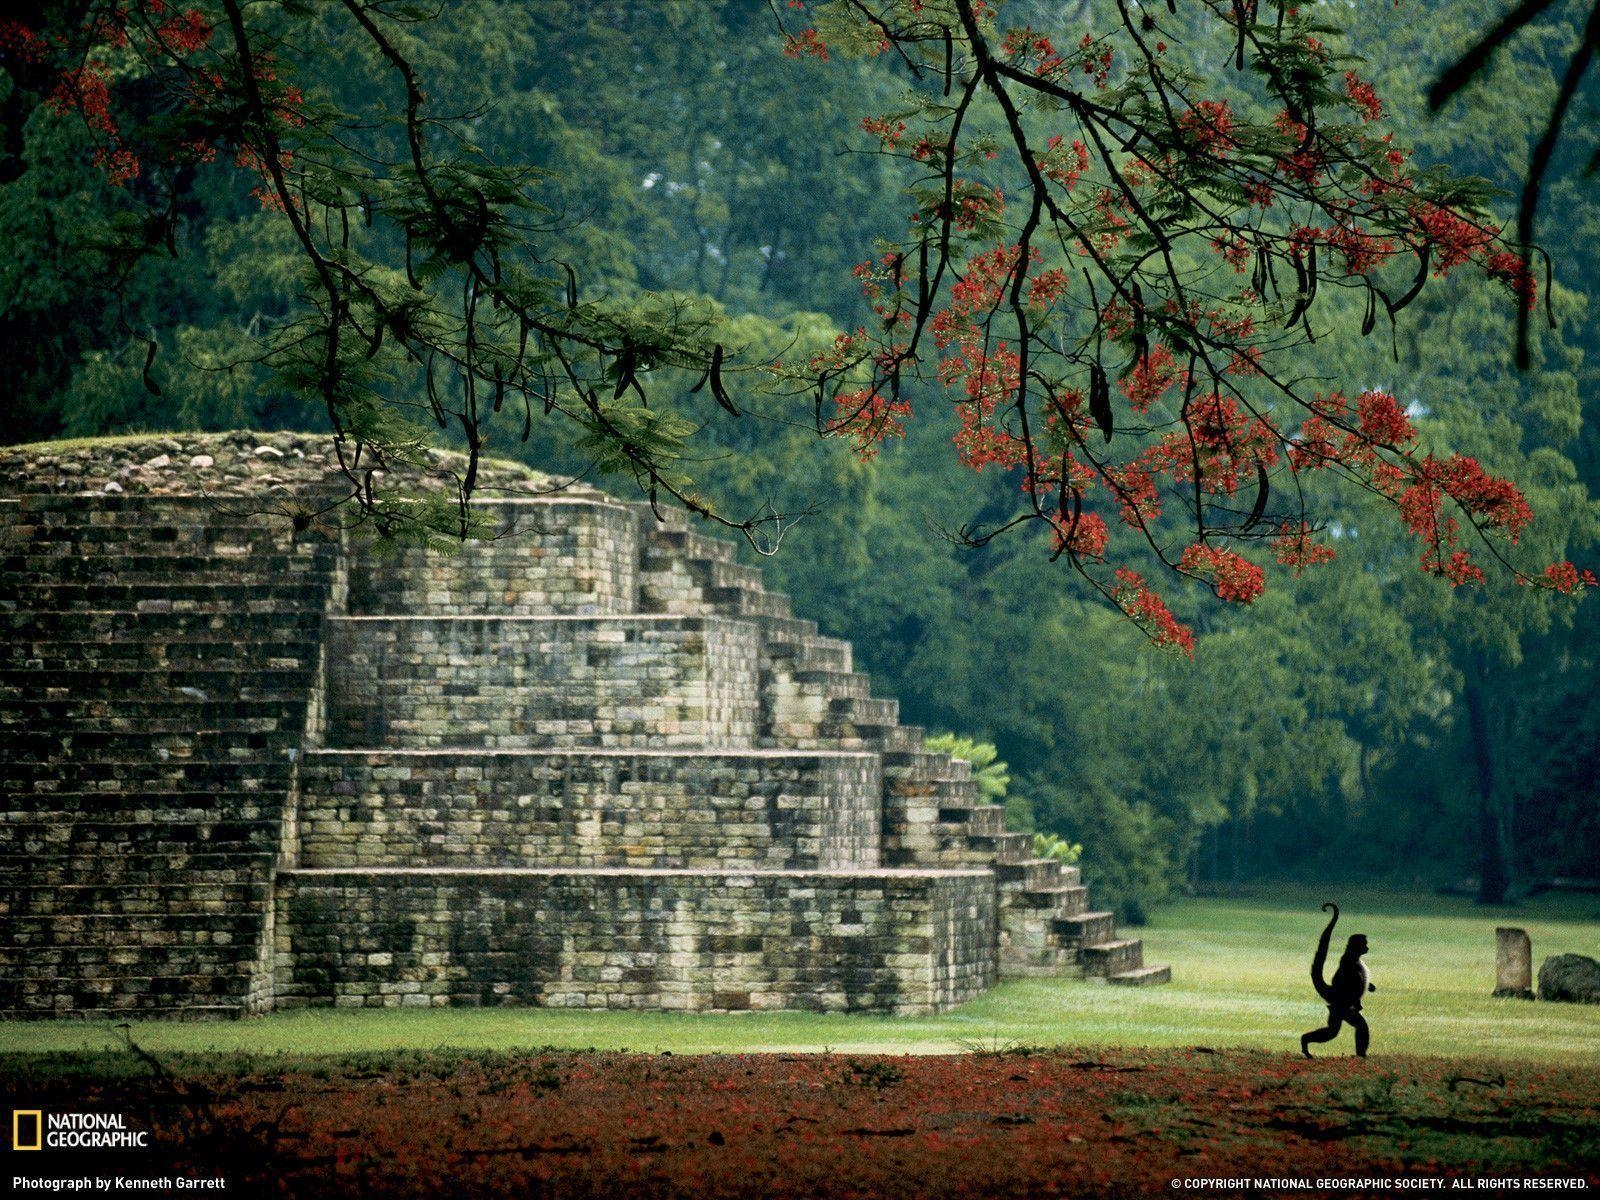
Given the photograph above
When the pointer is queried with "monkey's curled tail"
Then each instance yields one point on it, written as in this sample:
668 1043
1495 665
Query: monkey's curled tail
1324 989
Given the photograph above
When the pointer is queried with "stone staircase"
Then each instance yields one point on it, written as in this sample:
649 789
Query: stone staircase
933 814
590 762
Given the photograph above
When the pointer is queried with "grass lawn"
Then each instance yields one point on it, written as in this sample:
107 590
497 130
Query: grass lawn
1240 980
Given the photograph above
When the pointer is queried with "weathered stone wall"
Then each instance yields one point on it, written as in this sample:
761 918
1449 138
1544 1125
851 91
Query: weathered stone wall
158 660
907 942
536 558
697 808
520 682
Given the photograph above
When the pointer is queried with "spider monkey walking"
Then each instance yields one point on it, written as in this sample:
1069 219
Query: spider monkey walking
1350 983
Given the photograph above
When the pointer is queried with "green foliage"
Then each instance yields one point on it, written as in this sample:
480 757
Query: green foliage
1048 845
992 776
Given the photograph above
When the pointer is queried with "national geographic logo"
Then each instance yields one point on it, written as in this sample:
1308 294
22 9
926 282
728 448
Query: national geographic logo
34 1129
27 1129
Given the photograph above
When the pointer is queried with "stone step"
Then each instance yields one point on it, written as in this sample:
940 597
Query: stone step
785 631
70 566
238 545
111 626
157 532
808 653
747 602
186 932
1030 874
243 682
924 764
835 685
866 710
1142 977
687 544
1117 957
902 739
952 843
219 894
1034 962
715 573
1012 848
1062 900
94 744
182 729
237 599
88 773
136 1002
151 655
113 863
559 556
131 505
1084 929
985 820
201 711
46 813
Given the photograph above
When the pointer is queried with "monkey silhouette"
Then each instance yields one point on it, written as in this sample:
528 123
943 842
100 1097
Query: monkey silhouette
1350 984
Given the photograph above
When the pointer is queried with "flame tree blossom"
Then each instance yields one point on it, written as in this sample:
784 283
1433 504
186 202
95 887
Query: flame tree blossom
1111 262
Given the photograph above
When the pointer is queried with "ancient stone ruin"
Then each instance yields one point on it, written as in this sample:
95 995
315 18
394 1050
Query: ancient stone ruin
1513 963
249 763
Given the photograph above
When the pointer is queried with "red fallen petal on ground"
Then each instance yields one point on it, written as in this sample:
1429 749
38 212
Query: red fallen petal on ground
796 1126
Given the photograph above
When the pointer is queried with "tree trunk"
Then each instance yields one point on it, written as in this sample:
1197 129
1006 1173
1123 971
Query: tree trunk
1494 867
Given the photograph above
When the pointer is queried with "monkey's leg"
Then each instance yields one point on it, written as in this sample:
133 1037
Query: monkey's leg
1363 1035
1325 1034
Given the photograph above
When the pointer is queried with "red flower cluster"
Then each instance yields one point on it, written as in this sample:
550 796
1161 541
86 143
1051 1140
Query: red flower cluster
1034 52
806 43
1567 579
869 419
1209 127
1233 577
1152 377
1362 97
1223 444
1150 613
1063 164
1082 535
1294 548
887 131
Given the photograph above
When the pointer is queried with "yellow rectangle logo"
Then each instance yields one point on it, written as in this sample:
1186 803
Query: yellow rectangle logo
21 1120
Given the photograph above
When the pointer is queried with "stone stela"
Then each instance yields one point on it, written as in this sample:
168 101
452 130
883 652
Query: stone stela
1513 963
589 763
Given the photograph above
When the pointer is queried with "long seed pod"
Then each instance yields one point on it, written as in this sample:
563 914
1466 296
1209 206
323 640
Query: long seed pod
719 392
1263 489
1100 398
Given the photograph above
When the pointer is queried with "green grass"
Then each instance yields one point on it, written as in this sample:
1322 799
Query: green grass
1240 980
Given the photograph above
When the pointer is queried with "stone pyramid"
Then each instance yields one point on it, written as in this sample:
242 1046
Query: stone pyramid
587 762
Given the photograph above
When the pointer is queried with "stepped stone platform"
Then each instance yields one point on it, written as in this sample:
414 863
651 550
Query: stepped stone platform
248 762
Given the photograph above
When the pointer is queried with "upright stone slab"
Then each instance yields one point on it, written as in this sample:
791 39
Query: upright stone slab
1513 963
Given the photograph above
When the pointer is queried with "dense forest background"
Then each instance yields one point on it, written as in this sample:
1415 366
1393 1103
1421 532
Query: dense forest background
1362 720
